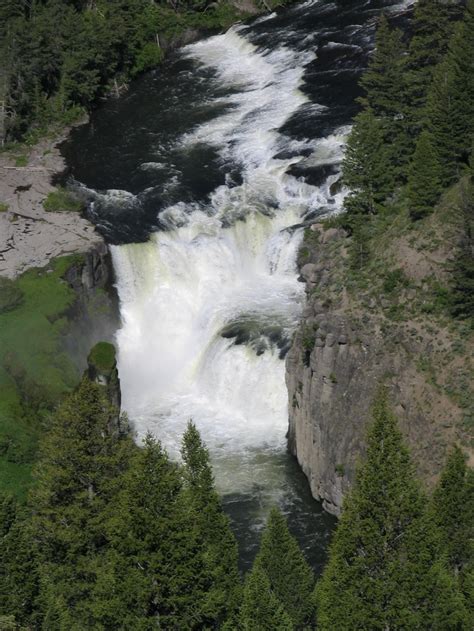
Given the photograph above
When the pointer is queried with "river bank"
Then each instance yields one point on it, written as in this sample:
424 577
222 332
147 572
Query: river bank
31 236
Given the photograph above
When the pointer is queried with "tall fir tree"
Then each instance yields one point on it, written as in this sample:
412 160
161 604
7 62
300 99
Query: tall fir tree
261 610
462 299
215 578
19 570
385 568
83 458
366 167
424 180
384 83
138 579
291 578
450 109
453 508
431 30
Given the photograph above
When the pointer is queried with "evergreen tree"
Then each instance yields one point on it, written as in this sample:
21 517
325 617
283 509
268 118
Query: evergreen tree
453 507
366 168
385 87
450 107
291 578
214 576
385 570
261 610
430 35
463 267
83 458
18 564
424 184
144 557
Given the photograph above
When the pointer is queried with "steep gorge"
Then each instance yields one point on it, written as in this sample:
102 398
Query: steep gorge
378 325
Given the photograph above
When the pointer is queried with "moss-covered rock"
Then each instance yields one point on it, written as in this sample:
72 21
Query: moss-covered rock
102 369
102 358
10 295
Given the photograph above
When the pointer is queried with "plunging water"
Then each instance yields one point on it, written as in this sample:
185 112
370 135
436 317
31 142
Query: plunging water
217 162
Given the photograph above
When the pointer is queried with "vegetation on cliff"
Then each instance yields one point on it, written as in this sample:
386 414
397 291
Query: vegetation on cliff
408 260
387 565
59 57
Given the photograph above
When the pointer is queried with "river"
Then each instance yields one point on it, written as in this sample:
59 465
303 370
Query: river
200 178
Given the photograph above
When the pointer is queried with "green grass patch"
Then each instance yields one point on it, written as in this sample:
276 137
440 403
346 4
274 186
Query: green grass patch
35 372
10 295
21 161
4 207
62 200
102 357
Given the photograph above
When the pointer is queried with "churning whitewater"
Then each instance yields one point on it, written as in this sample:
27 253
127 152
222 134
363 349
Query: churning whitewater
209 304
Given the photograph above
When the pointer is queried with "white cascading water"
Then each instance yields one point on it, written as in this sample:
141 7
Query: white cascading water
231 263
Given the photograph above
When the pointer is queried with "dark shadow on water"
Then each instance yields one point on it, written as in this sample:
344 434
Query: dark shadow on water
307 520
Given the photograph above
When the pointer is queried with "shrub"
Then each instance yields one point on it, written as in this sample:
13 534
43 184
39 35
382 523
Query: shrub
62 200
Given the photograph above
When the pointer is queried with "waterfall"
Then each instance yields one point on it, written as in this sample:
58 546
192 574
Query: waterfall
209 303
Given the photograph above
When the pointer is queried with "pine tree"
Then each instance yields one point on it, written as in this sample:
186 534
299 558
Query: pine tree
385 568
261 610
462 306
18 564
214 576
453 508
83 459
424 185
385 87
144 558
291 578
430 36
450 108
366 167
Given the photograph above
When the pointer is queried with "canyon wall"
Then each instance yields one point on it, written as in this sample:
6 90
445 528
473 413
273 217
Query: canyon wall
357 331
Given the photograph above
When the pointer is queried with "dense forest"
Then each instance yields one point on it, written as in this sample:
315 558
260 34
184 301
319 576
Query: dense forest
414 136
58 57
118 536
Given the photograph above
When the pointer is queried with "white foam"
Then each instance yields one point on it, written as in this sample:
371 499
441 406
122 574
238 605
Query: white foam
221 263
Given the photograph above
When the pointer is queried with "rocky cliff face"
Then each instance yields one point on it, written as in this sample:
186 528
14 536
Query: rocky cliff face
102 369
94 316
355 335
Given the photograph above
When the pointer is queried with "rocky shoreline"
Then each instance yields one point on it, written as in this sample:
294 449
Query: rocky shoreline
29 235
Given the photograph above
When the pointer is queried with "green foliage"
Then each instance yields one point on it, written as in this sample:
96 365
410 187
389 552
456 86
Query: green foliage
4 207
384 84
366 168
453 508
261 609
34 370
386 568
290 577
21 161
424 179
62 200
102 357
83 459
11 295
18 566
61 57
462 300
430 36
216 593
394 280
451 100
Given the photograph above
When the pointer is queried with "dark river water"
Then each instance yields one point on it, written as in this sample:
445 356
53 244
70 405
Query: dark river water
199 178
